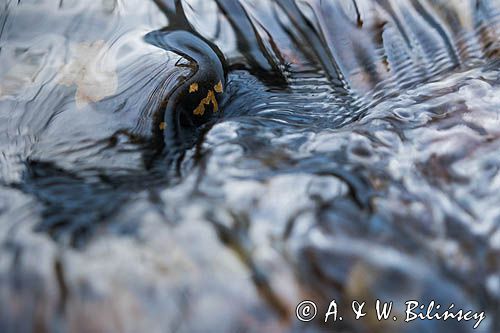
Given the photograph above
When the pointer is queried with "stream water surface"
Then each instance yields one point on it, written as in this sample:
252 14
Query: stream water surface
205 165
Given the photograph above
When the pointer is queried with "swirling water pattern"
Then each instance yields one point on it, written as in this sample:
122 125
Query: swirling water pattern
354 150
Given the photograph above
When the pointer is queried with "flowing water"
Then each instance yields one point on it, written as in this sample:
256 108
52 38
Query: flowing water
203 166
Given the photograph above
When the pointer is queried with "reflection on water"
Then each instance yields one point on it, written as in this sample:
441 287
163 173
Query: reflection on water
243 157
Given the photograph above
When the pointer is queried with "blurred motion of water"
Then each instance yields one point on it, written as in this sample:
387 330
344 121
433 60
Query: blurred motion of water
349 152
